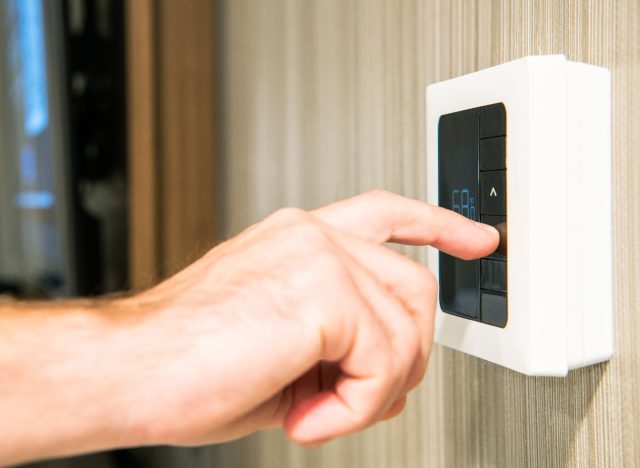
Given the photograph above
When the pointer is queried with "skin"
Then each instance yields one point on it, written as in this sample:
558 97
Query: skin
303 321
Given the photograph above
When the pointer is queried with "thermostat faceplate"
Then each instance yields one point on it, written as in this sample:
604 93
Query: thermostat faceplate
472 182
558 211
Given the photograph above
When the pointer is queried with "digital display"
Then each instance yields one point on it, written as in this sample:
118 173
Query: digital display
464 203
472 182
459 188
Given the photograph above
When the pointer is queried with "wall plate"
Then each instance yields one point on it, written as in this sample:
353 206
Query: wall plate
558 158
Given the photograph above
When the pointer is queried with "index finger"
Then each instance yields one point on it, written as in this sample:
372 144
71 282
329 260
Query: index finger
381 216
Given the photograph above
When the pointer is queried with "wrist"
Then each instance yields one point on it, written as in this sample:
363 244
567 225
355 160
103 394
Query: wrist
126 355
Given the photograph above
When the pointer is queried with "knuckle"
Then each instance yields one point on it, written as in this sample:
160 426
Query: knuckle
377 195
313 238
398 407
288 215
300 226
397 370
421 372
388 371
428 281
409 345
414 344
412 347
415 378
418 372
399 375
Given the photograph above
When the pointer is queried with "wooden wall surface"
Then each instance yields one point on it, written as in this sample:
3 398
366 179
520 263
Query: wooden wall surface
172 152
325 99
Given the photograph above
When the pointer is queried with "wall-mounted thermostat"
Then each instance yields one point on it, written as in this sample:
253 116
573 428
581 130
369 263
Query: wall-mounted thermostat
525 146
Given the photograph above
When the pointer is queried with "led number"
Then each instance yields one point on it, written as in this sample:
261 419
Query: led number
455 201
463 203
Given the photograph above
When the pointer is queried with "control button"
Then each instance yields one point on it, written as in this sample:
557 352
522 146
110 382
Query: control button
493 154
493 121
459 286
493 275
493 193
494 309
500 223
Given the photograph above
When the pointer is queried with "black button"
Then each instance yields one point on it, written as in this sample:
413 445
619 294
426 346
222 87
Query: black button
494 275
494 309
459 286
500 223
493 194
492 154
493 121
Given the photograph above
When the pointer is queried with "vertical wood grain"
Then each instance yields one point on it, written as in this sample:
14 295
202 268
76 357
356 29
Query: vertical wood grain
142 150
326 99
172 161
186 130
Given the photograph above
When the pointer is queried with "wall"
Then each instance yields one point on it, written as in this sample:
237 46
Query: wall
325 99
171 143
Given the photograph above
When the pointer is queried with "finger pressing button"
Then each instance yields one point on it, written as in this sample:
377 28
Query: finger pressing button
500 223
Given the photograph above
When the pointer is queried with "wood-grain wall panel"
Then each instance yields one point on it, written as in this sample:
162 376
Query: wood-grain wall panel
173 169
186 145
142 148
325 99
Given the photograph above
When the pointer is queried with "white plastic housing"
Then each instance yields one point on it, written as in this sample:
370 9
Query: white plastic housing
559 270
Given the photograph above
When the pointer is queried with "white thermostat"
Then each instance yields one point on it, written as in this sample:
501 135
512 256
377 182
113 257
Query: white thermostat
525 146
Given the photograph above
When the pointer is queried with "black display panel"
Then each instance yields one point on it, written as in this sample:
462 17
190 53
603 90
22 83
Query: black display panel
472 181
458 185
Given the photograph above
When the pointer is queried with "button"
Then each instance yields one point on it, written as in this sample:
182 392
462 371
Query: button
493 194
493 121
494 309
493 275
459 286
493 154
500 223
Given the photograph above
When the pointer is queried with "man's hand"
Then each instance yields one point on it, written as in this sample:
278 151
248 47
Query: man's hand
304 321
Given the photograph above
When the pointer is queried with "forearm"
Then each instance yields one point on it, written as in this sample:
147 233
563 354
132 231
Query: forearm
61 385
302 321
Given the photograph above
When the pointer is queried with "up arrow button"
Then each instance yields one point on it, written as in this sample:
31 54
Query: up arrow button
493 191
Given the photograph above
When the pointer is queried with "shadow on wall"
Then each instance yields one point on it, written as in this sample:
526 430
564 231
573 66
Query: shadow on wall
506 415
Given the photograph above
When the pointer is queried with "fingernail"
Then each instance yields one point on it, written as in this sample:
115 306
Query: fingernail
489 228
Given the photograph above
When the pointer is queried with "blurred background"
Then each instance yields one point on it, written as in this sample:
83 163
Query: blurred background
108 176
136 134
107 133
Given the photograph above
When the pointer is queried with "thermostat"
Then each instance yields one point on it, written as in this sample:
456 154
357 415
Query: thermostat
525 146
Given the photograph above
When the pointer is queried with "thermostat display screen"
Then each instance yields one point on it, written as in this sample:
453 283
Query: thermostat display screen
459 187
472 182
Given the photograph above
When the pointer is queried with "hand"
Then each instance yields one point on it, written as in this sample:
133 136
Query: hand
303 320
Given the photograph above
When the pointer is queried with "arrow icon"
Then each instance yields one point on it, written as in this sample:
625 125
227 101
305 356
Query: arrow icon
493 192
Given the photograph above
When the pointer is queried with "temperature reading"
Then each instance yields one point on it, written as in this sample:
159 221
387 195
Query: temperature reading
462 202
